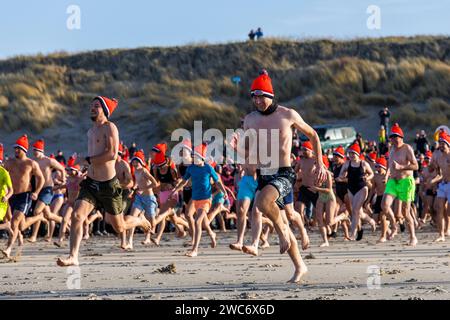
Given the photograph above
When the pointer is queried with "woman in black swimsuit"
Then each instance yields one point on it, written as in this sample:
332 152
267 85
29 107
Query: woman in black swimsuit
358 173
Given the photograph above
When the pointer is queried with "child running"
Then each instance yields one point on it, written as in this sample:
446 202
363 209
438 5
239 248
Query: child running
144 200
200 174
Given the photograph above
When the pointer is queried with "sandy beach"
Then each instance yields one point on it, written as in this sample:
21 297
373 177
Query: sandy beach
337 272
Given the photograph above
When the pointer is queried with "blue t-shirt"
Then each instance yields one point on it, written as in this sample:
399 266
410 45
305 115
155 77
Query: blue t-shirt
201 183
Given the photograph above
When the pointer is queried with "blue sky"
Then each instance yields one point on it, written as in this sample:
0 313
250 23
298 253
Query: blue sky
30 27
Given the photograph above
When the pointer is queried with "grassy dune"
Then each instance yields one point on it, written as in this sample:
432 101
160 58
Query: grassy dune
170 87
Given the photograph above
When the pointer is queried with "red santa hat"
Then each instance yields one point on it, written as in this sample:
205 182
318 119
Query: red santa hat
159 159
22 143
396 131
444 137
382 162
262 85
372 156
200 151
308 146
355 149
39 145
187 144
339 151
108 105
140 157
71 164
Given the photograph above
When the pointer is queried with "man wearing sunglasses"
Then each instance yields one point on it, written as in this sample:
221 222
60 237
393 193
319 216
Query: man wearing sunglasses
273 124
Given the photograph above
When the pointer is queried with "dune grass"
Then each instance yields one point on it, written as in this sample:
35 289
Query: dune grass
326 79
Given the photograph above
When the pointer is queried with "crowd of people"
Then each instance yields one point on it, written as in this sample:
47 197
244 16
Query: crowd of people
339 194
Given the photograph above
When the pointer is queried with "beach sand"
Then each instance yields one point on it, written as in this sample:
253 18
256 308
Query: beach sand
337 272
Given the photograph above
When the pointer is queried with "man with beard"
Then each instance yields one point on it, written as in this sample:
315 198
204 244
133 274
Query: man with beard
101 189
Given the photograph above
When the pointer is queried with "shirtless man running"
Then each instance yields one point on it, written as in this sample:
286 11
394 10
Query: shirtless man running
305 169
125 178
45 197
21 168
101 189
441 163
275 180
400 185
126 183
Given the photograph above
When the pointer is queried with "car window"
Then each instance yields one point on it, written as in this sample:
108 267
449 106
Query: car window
330 134
348 132
338 134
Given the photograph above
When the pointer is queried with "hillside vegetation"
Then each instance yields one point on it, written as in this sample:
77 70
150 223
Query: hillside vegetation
168 88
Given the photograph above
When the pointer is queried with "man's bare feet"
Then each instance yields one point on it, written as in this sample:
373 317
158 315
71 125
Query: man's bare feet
412 242
6 253
127 247
70 261
305 242
192 253
155 242
382 240
213 240
392 234
58 243
31 240
47 239
236 246
181 234
147 242
265 244
86 236
252 250
325 244
298 275
440 239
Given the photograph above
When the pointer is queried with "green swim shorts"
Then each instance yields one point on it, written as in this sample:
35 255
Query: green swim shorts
403 189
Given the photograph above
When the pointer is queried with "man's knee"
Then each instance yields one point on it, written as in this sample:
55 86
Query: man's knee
119 228
385 206
78 217
264 204
15 223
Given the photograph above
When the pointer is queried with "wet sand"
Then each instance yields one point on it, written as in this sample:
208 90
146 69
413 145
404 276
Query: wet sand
336 272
